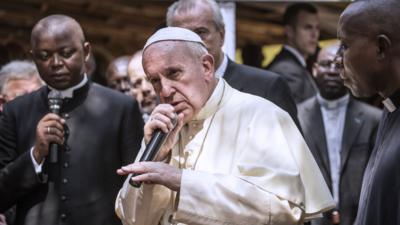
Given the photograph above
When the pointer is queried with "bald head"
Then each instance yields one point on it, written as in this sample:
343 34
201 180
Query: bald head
329 52
371 18
368 31
59 51
117 74
56 24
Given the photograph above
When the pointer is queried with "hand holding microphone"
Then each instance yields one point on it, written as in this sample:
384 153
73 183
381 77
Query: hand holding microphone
160 134
55 102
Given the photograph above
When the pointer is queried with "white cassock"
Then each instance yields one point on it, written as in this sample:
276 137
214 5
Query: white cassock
244 162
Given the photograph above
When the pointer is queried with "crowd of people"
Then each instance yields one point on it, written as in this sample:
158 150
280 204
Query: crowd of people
287 144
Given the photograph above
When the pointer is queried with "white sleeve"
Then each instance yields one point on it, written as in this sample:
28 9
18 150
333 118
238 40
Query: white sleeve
38 167
207 198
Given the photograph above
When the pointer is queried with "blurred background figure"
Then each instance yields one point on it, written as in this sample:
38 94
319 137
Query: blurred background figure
340 132
141 88
90 65
117 75
252 55
18 78
302 33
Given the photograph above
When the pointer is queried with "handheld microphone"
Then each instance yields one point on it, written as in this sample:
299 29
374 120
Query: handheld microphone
154 145
55 102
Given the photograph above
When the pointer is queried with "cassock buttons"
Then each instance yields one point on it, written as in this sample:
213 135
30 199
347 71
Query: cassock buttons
191 137
63 216
65 115
63 198
65 180
66 165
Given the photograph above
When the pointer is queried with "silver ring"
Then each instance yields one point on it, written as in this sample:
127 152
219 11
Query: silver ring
48 130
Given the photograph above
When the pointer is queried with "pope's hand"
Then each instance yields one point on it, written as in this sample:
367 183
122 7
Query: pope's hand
161 118
154 173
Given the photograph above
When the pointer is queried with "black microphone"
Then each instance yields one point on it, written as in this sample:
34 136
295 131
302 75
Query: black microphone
55 102
154 145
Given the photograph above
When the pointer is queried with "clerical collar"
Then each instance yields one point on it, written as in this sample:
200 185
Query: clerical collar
69 93
392 102
296 54
213 102
333 104
222 68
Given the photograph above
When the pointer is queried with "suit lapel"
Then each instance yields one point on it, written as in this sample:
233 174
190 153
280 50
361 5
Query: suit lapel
317 132
353 123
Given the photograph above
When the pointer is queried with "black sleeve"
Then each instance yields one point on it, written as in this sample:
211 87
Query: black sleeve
17 173
282 96
132 132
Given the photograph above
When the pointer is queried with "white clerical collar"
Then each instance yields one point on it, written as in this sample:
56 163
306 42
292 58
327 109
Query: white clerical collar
296 54
393 102
222 68
389 105
333 104
69 93
213 102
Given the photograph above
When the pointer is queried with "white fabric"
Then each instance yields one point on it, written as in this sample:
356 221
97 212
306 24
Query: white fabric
296 54
69 93
38 167
389 105
255 168
173 34
222 68
334 116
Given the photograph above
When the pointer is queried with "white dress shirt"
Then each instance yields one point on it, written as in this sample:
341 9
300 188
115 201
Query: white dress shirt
334 115
254 168
222 68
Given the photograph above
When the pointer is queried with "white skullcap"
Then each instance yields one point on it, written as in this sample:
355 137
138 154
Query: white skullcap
173 34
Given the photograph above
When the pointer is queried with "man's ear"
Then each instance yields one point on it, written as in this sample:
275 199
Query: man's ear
208 65
315 70
383 45
31 54
222 35
86 50
289 31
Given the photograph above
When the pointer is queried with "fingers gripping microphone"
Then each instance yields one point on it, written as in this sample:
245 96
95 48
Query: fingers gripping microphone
154 145
55 102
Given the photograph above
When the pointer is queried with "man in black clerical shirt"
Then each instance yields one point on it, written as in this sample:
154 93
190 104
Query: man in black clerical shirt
370 47
98 131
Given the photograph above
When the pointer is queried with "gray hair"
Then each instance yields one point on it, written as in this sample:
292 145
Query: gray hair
185 5
17 70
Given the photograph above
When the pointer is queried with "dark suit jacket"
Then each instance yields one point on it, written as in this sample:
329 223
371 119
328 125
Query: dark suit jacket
262 83
105 131
359 134
297 77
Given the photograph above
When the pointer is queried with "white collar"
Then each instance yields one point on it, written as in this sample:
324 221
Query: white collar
333 104
389 105
222 68
214 102
297 54
69 93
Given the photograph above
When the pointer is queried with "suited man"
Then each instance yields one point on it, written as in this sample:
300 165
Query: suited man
204 18
340 132
302 32
100 130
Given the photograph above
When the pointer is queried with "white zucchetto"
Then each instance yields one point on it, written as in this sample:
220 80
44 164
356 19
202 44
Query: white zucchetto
173 34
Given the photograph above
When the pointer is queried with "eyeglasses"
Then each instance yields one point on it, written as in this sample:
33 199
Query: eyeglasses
335 64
